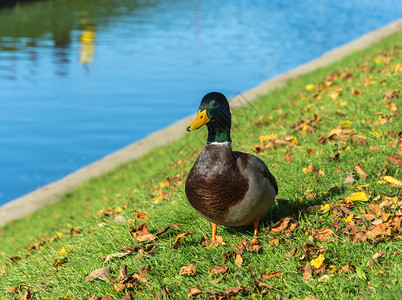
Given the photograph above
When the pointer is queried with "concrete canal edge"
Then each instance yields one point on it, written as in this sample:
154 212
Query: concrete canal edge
53 191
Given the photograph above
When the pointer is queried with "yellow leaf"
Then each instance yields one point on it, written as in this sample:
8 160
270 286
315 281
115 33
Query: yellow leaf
310 169
268 137
398 68
349 219
164 183
342 103
65 250
375 132
345 123
333 95
324 209
118 209
377 60
316 263
59 234
392 180
358 196
309 87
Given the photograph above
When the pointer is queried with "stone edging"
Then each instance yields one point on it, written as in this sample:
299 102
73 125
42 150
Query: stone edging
53 191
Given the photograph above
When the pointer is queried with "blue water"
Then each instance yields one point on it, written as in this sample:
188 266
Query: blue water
79 81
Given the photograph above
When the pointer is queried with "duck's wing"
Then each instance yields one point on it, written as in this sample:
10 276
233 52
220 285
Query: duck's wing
249 161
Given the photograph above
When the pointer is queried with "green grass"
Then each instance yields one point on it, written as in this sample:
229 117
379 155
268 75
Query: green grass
135 186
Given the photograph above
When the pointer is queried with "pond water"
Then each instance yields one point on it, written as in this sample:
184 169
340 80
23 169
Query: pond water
81 79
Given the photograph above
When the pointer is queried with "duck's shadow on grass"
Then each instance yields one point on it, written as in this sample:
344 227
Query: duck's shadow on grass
285 208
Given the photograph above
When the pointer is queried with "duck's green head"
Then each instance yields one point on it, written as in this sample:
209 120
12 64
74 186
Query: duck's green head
215 112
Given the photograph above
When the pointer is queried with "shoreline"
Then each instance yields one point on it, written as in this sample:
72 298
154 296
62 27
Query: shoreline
32 201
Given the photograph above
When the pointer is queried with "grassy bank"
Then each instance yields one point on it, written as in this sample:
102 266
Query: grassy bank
324 136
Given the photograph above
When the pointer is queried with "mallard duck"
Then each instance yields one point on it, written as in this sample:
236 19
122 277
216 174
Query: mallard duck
227 187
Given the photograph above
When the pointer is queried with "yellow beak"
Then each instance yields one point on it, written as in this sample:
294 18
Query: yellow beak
200 120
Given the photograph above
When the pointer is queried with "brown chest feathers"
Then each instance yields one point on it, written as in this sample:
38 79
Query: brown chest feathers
215 183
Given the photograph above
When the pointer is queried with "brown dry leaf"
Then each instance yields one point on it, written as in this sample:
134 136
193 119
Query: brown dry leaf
220 270
355 92
347 268
310 298
144 270
128 297
16 289
273 243
324 234
58 262
392 107
102 273
310 151
289 157
307 272
360 171
188 270
28 295
175 226
269 275
238 259
194 292
15 258
140 215
176 244
142 234
395 159
282 225
376 231
227 255
349 179
252 246
227 294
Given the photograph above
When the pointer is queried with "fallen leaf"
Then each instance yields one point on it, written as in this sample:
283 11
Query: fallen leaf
58 262
220 270
140 215
393 181
107 258
194 292
309 87
252 246
310 169
310 298
176 244
188 270
101 273
142 234
360 171
317 262
127 297
324 234
282 225
238 259
227 255
144 270
269 275
175 226
307 272
273 242
395 159
289 157
227 294
358 196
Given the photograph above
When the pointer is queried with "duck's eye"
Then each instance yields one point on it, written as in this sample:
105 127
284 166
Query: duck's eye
201 117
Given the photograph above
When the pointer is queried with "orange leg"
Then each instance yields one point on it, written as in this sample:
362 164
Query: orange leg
256 223
214 226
